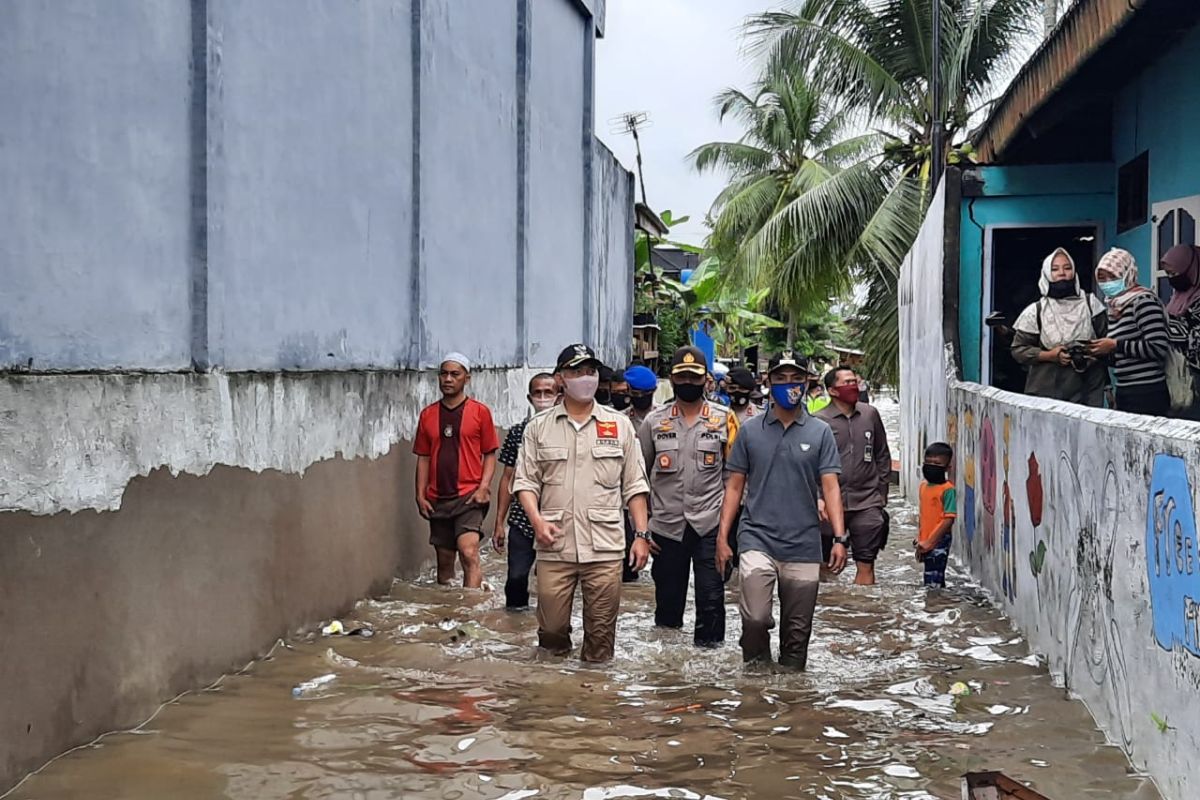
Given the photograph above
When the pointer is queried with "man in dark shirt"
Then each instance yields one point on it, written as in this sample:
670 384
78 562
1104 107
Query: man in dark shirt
456 458
521 555
781 462
866 468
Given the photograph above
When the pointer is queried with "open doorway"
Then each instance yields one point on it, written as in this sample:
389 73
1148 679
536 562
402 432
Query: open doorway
1014 264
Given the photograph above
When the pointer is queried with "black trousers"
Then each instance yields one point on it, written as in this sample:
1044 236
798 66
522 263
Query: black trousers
1152 400
521 556
697 554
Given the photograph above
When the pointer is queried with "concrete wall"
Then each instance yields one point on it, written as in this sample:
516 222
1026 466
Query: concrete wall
921 334
1082 524
94 184
308 185
266 219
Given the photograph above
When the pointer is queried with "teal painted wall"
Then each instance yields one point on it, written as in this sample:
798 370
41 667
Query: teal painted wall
1076 194
1159 111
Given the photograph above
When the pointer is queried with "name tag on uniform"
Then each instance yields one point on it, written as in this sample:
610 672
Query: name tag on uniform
606 430
869 449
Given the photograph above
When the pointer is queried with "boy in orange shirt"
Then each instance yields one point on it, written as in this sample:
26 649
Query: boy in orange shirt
938 511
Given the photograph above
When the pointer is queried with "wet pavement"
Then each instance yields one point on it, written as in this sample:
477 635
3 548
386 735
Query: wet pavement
450 700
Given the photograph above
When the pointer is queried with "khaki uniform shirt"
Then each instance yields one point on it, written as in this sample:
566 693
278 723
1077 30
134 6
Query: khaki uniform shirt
687 467
583 479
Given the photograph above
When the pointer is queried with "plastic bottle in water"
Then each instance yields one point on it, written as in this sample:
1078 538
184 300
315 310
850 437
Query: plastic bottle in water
311 686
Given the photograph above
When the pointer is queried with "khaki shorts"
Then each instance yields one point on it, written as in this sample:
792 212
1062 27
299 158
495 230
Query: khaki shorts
454 518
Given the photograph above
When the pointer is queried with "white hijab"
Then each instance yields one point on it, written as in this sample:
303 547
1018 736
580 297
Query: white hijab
1063 321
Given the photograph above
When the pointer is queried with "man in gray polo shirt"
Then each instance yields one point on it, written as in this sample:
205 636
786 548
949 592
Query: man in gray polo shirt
782 462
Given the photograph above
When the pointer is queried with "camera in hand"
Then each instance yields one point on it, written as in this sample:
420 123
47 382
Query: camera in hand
1078 351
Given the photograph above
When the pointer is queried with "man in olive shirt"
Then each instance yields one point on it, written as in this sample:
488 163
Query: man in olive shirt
866 469
684 445
579 466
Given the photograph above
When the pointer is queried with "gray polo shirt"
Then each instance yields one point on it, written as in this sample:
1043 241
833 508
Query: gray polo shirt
783 469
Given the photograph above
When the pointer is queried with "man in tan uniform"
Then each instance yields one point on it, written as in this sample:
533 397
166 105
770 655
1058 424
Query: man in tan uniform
684 446
580 466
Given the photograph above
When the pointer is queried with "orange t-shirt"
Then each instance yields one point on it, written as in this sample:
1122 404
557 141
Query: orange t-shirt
938 503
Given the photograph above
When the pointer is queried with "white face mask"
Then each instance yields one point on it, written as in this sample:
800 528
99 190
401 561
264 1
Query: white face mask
541 403
583 388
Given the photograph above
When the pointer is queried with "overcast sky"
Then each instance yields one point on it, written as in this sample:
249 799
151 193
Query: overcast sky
669 58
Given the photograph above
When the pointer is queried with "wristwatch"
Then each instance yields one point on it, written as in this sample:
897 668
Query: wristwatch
642 535
843 540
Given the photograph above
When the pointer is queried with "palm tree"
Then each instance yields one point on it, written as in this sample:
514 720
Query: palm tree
876 57
805 207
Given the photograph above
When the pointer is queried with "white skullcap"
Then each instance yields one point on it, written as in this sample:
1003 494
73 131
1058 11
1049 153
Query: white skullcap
457 358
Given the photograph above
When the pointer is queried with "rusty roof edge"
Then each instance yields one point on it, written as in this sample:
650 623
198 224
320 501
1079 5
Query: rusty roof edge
1023 96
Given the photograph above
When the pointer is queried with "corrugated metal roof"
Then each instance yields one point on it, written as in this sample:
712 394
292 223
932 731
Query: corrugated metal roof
1083 30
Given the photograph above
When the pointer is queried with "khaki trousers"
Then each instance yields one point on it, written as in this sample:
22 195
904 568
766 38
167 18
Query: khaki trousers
601 585
758 574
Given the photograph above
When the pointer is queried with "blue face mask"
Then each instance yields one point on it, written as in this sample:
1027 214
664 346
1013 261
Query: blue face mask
1111 289
787 395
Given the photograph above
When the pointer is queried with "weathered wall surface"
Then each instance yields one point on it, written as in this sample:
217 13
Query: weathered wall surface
112 613
309 185
1082 523
920 287
73 442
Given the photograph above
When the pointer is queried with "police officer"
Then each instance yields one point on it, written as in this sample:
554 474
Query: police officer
580 465
685 444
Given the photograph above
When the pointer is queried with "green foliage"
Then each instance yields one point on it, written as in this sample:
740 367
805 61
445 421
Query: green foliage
673 332
874 56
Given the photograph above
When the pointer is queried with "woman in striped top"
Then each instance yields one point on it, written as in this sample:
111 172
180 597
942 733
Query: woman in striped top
1137 336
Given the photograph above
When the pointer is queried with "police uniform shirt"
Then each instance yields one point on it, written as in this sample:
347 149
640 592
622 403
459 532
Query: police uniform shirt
583 476
686 465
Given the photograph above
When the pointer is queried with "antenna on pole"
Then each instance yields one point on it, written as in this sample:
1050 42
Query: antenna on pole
628 124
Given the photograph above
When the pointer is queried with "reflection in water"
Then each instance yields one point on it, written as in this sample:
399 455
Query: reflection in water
450 700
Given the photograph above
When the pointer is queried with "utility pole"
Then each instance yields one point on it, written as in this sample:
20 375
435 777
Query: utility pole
937 136
629 124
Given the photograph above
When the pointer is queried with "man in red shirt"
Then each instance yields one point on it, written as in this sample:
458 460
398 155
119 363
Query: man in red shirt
456 458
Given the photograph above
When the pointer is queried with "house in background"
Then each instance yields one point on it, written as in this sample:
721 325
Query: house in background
1080 522
1096 144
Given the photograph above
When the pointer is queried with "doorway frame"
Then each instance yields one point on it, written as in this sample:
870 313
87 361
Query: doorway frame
985 339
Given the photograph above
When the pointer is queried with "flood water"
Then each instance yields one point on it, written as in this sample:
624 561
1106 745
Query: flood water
450 700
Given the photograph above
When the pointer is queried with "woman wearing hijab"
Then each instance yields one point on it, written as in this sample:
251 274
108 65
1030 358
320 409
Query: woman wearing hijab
1050 337
1182 265
1137 336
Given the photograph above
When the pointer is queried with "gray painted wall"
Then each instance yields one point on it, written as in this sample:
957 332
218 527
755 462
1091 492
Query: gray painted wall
243 185
94 184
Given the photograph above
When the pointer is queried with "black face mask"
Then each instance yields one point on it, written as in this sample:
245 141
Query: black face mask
933 473
1061 289
739 398
642 401
688 392
1179 282
603 397
620 402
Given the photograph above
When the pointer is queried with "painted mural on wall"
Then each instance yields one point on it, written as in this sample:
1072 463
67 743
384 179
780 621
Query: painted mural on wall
1172 558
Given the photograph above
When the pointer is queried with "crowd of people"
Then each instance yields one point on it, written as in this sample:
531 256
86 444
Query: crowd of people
775 478
1125 349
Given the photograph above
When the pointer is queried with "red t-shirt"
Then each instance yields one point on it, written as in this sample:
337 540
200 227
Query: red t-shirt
468 430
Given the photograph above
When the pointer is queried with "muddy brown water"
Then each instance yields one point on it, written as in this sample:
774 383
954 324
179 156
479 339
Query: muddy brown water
450 700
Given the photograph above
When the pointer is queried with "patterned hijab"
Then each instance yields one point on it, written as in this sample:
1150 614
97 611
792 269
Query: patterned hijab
1183 259
1120 264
